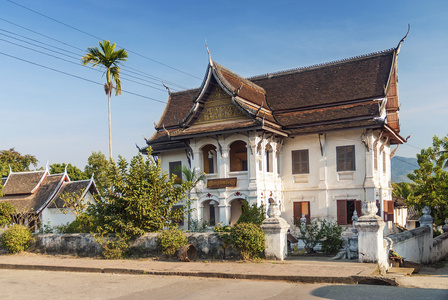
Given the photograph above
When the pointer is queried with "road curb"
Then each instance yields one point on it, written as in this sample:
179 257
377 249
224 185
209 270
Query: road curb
372 280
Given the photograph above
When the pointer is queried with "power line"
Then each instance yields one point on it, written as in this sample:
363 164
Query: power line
78 77
155 79
98 38
76 58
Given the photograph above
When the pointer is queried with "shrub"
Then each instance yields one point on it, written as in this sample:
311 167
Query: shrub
82 224
327 233
170 241
16 238
331 237
249 239
224 235
6 210
310 234
113 247
252 214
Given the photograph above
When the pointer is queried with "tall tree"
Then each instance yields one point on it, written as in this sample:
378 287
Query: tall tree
431 181
110 59
98 166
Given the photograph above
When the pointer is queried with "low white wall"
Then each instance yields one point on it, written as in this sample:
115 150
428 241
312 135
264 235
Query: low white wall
413 245
440 247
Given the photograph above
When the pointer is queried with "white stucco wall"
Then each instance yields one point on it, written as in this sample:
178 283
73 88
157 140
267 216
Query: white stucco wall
322 187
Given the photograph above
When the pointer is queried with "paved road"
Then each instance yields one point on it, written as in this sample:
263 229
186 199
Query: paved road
37 285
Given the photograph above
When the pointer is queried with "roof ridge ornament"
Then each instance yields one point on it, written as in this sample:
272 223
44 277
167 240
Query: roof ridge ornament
402 40
209 55
169 91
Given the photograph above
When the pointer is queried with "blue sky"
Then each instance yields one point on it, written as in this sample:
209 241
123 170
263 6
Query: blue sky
55 109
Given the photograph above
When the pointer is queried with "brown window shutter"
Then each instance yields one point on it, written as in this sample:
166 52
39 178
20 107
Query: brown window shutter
297 211
390 211
358 207
342 212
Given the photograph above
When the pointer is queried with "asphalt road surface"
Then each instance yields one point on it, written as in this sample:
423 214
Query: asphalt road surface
15 284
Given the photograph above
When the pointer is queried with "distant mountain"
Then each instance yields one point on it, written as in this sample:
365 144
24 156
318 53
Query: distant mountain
401 166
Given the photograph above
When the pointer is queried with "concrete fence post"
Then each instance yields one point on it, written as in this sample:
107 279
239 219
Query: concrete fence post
275 229
370 237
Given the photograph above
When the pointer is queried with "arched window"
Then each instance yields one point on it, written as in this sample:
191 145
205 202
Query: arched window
269 159
209 159
238 156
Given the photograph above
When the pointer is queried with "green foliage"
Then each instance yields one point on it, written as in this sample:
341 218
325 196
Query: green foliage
16 238
6 212
224 234
194 178
198 226
83 223
431 181
249 239
327 233
170 241
15 160
402 190
331 237
310 234
139 198
113 247
73 172
98 166
252 214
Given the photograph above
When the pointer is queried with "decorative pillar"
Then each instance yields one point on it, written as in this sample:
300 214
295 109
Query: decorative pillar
370 237
426 219
275 229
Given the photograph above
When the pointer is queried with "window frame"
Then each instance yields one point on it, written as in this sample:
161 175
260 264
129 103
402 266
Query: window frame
344 158
300 162
174 165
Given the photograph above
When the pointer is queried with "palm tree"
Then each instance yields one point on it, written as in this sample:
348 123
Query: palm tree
193 177
110 59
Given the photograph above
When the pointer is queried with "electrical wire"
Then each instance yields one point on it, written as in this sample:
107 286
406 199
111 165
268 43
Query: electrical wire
78 77
98 38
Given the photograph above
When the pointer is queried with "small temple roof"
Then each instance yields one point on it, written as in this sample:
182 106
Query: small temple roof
80 187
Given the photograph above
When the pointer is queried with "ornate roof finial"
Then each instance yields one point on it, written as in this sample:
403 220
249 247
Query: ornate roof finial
209 55
169 91
402 40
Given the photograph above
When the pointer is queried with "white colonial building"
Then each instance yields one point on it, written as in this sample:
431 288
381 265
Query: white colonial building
316 140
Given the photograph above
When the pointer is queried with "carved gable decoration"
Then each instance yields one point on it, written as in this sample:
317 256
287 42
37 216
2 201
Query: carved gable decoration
219 107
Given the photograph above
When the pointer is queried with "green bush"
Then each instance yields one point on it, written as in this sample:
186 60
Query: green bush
252 214
6 211
16 238
331 237
113 247
328 234
170 241
249 239
225 237
82 224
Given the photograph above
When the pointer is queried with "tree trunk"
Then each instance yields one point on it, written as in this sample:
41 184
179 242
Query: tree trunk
110 129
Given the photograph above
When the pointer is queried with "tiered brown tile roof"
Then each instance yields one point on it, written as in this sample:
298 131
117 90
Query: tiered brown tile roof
72 187
33 202
333 96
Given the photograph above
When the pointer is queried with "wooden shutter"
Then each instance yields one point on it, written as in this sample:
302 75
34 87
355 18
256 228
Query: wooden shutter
302 208
358 207
342 212
390 211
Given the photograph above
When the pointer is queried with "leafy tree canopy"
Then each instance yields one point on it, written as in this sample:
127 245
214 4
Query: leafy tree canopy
431 180
73 172
137 197
15 160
